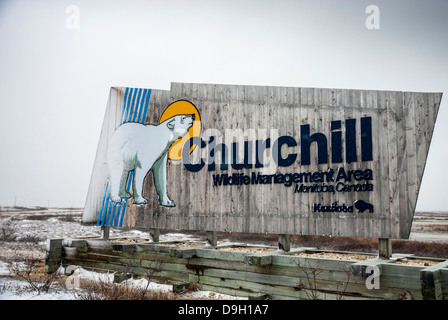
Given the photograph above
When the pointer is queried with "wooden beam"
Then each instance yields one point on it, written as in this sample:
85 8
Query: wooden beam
284 242
78 243
273 274
105 231
53 255
258 260
384 248
154 234
124 247
431 281
183 253
212 238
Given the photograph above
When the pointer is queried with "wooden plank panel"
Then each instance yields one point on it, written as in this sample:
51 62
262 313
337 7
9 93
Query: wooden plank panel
401 129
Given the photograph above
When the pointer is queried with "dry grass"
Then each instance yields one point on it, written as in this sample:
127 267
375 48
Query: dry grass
32 271
336 243
417 262
338 256
130 240
40 216
182 244
361 245
438 227
10 233
7 231
107 290
247 249
70 218
423 249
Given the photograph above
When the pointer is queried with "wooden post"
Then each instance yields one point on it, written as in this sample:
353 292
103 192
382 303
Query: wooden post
105 232
212 238
384 248
431 281
53 255
154 234
284 242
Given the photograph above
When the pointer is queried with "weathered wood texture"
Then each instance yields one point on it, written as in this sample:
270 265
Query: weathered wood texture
432 281
402 127
273 274
385 248
54 254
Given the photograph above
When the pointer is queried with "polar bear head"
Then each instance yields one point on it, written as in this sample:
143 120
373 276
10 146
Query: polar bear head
179 124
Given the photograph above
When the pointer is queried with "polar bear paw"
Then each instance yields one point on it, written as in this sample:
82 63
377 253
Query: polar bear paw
115 198
125 195
140 200
167 203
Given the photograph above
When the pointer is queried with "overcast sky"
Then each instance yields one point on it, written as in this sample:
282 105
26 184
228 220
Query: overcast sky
56 70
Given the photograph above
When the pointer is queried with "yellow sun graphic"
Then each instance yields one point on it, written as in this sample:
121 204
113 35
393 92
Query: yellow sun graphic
174 109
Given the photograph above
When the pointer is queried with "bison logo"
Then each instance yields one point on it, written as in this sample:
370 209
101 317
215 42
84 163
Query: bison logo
363 206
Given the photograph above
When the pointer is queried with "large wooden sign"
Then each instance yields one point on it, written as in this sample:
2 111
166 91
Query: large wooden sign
305 161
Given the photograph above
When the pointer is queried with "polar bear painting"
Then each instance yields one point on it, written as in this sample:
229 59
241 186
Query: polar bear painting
140 147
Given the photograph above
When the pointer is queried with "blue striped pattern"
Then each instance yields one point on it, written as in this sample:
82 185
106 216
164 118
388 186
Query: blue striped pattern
134 109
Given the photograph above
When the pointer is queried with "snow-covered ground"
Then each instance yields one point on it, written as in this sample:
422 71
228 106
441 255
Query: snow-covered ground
26 234
12 289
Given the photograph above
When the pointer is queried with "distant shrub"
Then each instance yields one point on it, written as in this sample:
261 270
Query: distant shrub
39 217
8 232
32 270
30 239
70 218
423 249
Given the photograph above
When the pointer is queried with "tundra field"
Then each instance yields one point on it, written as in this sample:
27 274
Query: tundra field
24 233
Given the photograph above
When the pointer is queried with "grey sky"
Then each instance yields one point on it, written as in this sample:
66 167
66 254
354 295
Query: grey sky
55 81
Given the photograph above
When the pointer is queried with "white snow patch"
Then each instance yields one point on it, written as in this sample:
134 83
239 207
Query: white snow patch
11 289
4 271
54 227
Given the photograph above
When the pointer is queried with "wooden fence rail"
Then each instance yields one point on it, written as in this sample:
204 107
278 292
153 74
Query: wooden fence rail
256 272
